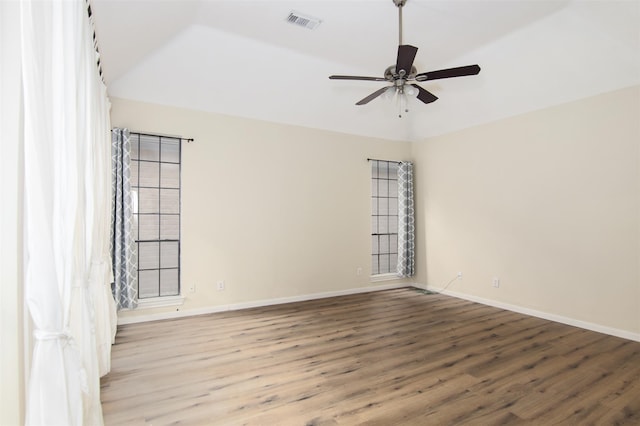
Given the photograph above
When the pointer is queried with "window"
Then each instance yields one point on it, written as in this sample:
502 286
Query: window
384 217
155 186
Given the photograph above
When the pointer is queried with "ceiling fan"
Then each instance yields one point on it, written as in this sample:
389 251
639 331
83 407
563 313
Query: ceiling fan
403 72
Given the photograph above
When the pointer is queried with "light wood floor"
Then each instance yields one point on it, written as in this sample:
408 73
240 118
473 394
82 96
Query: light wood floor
385 358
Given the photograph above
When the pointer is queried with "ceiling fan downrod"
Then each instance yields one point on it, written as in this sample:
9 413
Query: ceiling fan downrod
400 83
400 4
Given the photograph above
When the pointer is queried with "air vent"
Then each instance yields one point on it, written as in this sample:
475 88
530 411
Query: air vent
302 20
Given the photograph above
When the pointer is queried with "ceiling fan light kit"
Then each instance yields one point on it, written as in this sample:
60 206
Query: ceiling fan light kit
402 75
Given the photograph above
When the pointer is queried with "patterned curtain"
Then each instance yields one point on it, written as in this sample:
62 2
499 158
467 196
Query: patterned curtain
123 248
406 220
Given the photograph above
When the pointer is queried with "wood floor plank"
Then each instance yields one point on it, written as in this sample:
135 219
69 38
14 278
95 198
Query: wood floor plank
384 358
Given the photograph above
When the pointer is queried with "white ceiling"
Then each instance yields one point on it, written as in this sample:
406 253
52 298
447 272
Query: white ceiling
242 58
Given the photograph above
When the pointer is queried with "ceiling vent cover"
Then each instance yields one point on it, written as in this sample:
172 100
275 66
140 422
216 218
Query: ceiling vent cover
303 20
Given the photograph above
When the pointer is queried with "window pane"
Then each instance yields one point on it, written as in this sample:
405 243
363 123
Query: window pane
374 206
148 255
383 263
393 188
134 201
383 224
374 224
393 170
133 138
170 150
383 206
393 206
374 265
133 178
374 244
149 174
148 200
393 263
149 148
148 284
170 175
134 227
169 282
383 169
393 243
149 227
384 244
393 225
169 254
169 227
374 187
383 188
170 201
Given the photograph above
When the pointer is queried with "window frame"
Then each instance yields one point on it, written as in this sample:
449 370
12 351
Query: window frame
384 208
161 297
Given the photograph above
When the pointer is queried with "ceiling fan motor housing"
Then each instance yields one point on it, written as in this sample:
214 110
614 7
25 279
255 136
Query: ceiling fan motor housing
391 74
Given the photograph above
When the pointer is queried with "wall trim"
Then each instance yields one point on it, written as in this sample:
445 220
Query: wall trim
257 303
305 297
539 314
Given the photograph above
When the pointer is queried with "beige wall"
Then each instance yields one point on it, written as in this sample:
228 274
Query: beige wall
548 201
275 211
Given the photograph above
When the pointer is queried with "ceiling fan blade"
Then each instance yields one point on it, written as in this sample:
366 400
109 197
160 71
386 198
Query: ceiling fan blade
406 55
424 95
355 77
448 73
372 96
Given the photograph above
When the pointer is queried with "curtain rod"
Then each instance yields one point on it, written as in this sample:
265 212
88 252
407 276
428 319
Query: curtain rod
95 39
161 136
388 161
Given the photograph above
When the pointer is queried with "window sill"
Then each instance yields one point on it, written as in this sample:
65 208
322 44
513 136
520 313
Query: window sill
158 302
383 277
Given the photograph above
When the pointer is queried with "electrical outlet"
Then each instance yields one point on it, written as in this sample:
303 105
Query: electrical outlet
220 285
496 282
459 275
358 271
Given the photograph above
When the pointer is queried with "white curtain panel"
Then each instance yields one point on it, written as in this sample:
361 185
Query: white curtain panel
100 272
66 163
406 221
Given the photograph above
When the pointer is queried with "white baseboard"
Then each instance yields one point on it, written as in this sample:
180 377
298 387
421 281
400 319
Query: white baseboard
257 303
268 302
540 314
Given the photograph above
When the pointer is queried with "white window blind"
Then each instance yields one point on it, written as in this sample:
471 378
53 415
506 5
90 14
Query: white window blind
384 217
155 185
